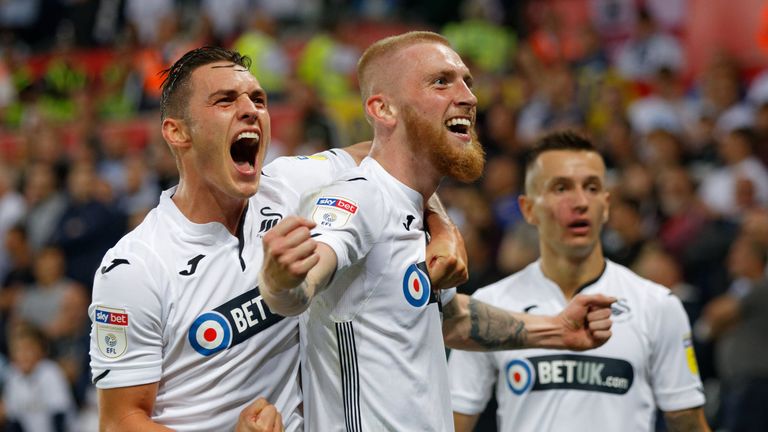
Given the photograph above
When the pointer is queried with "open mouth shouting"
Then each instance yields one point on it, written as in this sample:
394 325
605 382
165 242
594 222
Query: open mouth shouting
244 150
460 126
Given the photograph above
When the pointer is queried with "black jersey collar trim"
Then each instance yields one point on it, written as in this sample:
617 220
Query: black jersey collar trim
241 237
588 283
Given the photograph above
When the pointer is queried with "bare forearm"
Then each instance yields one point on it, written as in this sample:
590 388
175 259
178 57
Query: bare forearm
293 301
476 326
290 302
689 420
128 409
134 422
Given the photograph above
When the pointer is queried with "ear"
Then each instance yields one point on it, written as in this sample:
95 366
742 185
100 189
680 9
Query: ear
175 133
526 207
379 109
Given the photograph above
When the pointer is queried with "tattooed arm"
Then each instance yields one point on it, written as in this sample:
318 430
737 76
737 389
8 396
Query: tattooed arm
472 325
687 420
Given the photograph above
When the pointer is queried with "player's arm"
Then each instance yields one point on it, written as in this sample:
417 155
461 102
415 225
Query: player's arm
686 420
126 409
472 325
295 268
446 255
464 422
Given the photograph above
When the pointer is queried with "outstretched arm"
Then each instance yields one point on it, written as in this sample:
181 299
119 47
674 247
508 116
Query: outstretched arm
687 420
472 325
295 267
446 255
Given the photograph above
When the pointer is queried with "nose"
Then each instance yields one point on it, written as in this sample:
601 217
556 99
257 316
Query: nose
580 201
466 96
246 108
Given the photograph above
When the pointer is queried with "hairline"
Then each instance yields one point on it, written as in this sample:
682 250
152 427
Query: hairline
531 166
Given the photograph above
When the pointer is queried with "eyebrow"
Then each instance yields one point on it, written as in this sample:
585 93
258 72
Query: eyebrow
588 179
232 92
467 77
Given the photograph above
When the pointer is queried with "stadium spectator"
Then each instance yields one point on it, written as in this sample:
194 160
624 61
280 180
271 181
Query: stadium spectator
742 173
648 50
738 319
36 395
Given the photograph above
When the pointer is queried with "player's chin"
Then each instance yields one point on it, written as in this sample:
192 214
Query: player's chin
245 189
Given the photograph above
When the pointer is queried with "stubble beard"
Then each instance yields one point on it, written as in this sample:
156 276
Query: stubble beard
464 164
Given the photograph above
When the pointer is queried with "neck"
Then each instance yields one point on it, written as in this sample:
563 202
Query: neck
571 273
413 169
201 206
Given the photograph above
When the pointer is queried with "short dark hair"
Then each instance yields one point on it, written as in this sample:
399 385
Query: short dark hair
565 140
176 84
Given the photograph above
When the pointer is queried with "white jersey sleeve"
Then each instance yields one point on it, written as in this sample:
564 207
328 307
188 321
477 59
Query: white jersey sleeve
472 376
674 373
349 214
127 313
303 173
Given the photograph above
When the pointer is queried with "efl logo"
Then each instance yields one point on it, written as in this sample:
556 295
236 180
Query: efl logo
113 318
347 206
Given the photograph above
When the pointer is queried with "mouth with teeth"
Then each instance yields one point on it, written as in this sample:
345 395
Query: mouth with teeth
459 126
244 150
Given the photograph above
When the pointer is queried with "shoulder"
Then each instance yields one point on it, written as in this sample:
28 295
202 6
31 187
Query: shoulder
621 276
328 162
511 290
357 183
140 254
654 301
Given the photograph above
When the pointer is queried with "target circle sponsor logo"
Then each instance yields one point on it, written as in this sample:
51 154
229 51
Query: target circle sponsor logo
416 286
519 376
210 333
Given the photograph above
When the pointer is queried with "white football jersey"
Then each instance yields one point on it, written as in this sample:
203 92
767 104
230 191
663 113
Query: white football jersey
648 362
375 354
177 303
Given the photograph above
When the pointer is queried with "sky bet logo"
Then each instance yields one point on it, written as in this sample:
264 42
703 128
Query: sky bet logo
570 371
231 323
112 318
338 203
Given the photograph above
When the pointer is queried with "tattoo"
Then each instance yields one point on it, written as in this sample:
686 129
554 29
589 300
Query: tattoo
686 420
494 328
299 292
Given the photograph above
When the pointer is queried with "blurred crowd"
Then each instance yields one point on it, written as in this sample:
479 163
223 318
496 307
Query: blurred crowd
82 161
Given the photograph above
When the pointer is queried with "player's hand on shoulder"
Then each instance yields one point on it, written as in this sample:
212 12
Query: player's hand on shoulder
289 253
260 416
586 321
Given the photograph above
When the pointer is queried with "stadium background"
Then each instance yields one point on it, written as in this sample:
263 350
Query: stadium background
673 92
